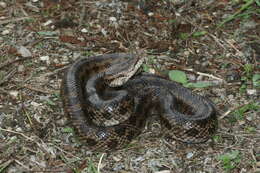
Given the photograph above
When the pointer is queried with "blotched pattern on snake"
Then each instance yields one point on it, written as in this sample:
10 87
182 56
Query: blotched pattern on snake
108 103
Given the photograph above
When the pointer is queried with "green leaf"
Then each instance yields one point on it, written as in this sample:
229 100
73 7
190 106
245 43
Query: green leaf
250 129
91 167
248 70
217 138
183 36
67 130
256 80
1 75
199 33
50 102
171 21
199 85
178 76
47 33
229 160
145 68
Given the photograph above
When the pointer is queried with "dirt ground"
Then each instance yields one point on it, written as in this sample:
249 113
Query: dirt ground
216 42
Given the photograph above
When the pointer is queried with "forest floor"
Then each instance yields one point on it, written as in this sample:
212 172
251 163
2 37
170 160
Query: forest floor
216 43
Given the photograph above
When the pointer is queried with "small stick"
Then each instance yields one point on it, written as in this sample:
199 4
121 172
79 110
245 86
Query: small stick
8 62
226 113
208 75
82 14
253 156
66 152
55 71
15 20
18 133
6 164
234 47
25 167
242 135
37 89
99 163
8 76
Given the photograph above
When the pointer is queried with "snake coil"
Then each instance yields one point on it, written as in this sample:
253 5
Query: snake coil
107 116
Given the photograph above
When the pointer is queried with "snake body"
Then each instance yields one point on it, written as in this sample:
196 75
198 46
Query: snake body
107 118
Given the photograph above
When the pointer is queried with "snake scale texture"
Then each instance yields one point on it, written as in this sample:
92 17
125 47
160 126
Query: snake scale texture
107 118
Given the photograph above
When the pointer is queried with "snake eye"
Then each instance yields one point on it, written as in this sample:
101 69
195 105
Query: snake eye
101 135
110 109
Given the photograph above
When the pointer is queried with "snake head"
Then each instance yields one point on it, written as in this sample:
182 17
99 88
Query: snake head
122 70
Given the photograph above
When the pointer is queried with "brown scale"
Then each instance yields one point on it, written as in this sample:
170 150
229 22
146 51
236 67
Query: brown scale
90 104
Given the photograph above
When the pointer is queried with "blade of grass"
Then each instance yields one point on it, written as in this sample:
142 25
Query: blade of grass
233 16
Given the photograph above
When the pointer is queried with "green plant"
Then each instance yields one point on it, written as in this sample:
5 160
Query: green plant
239 113
250 129
67 130
199 33
256 80
230 160
245 10
91 167
217 138
50 102
249 77
150 62
180 76
184 35
88 53
4 165
248 70
1 75
30 20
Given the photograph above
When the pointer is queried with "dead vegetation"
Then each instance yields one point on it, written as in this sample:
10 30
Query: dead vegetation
211 41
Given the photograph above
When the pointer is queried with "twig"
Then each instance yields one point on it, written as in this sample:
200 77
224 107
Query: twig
208 75
226 113
8 62
253 156
211 76
25 167
15 20
83 12
55 71
37 89
5 165
8 76
3 91
234 47
18 133
255 135
99 163
217 41
57 147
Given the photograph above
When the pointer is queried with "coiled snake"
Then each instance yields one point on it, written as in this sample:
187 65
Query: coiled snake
108 110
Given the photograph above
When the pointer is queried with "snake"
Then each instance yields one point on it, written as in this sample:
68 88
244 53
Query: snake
108 101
